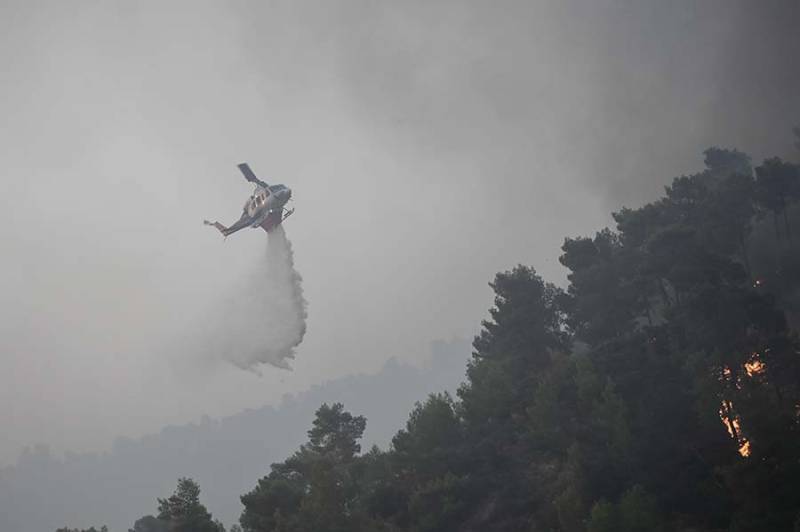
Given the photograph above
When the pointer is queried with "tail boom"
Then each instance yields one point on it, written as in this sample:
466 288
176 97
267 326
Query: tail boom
221 228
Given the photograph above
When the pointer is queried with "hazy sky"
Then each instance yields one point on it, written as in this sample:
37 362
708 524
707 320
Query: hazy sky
428 144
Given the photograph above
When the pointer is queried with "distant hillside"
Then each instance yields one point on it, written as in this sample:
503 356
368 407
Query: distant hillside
226 456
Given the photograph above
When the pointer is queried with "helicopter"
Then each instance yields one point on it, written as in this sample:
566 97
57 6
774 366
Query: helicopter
265 208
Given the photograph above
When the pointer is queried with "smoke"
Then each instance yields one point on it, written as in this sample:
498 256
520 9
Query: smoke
264 319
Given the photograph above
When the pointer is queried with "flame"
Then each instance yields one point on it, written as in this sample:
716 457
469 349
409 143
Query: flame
744 449
731 422
754 367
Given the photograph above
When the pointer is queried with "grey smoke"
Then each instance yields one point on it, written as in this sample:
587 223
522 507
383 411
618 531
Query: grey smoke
430 143
226 455
263 320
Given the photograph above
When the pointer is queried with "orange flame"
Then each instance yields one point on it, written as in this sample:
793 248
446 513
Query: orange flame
754 367
731 422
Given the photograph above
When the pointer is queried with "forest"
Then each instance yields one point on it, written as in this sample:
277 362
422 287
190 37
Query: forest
658 391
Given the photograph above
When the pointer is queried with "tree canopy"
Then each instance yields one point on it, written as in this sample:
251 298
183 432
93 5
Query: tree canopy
659 390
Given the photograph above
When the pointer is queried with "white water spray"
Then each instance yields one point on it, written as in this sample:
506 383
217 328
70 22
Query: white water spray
265 318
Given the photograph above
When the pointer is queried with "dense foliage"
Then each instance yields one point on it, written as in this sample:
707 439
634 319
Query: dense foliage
660 391
180 512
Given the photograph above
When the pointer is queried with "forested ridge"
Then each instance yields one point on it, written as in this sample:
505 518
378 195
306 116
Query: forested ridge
659 391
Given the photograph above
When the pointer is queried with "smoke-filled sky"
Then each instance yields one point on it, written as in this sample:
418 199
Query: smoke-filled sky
428 144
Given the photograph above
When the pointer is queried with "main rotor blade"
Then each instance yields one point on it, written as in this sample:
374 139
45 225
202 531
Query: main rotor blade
249 175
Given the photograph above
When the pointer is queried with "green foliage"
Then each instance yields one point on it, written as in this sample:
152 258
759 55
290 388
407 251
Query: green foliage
778 186
432 433
439 504
149 523
659 391
635 512
336 433
603 518
183 512
317 488
638 511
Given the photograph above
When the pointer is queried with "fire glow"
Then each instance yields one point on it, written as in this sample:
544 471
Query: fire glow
752 368
731 422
